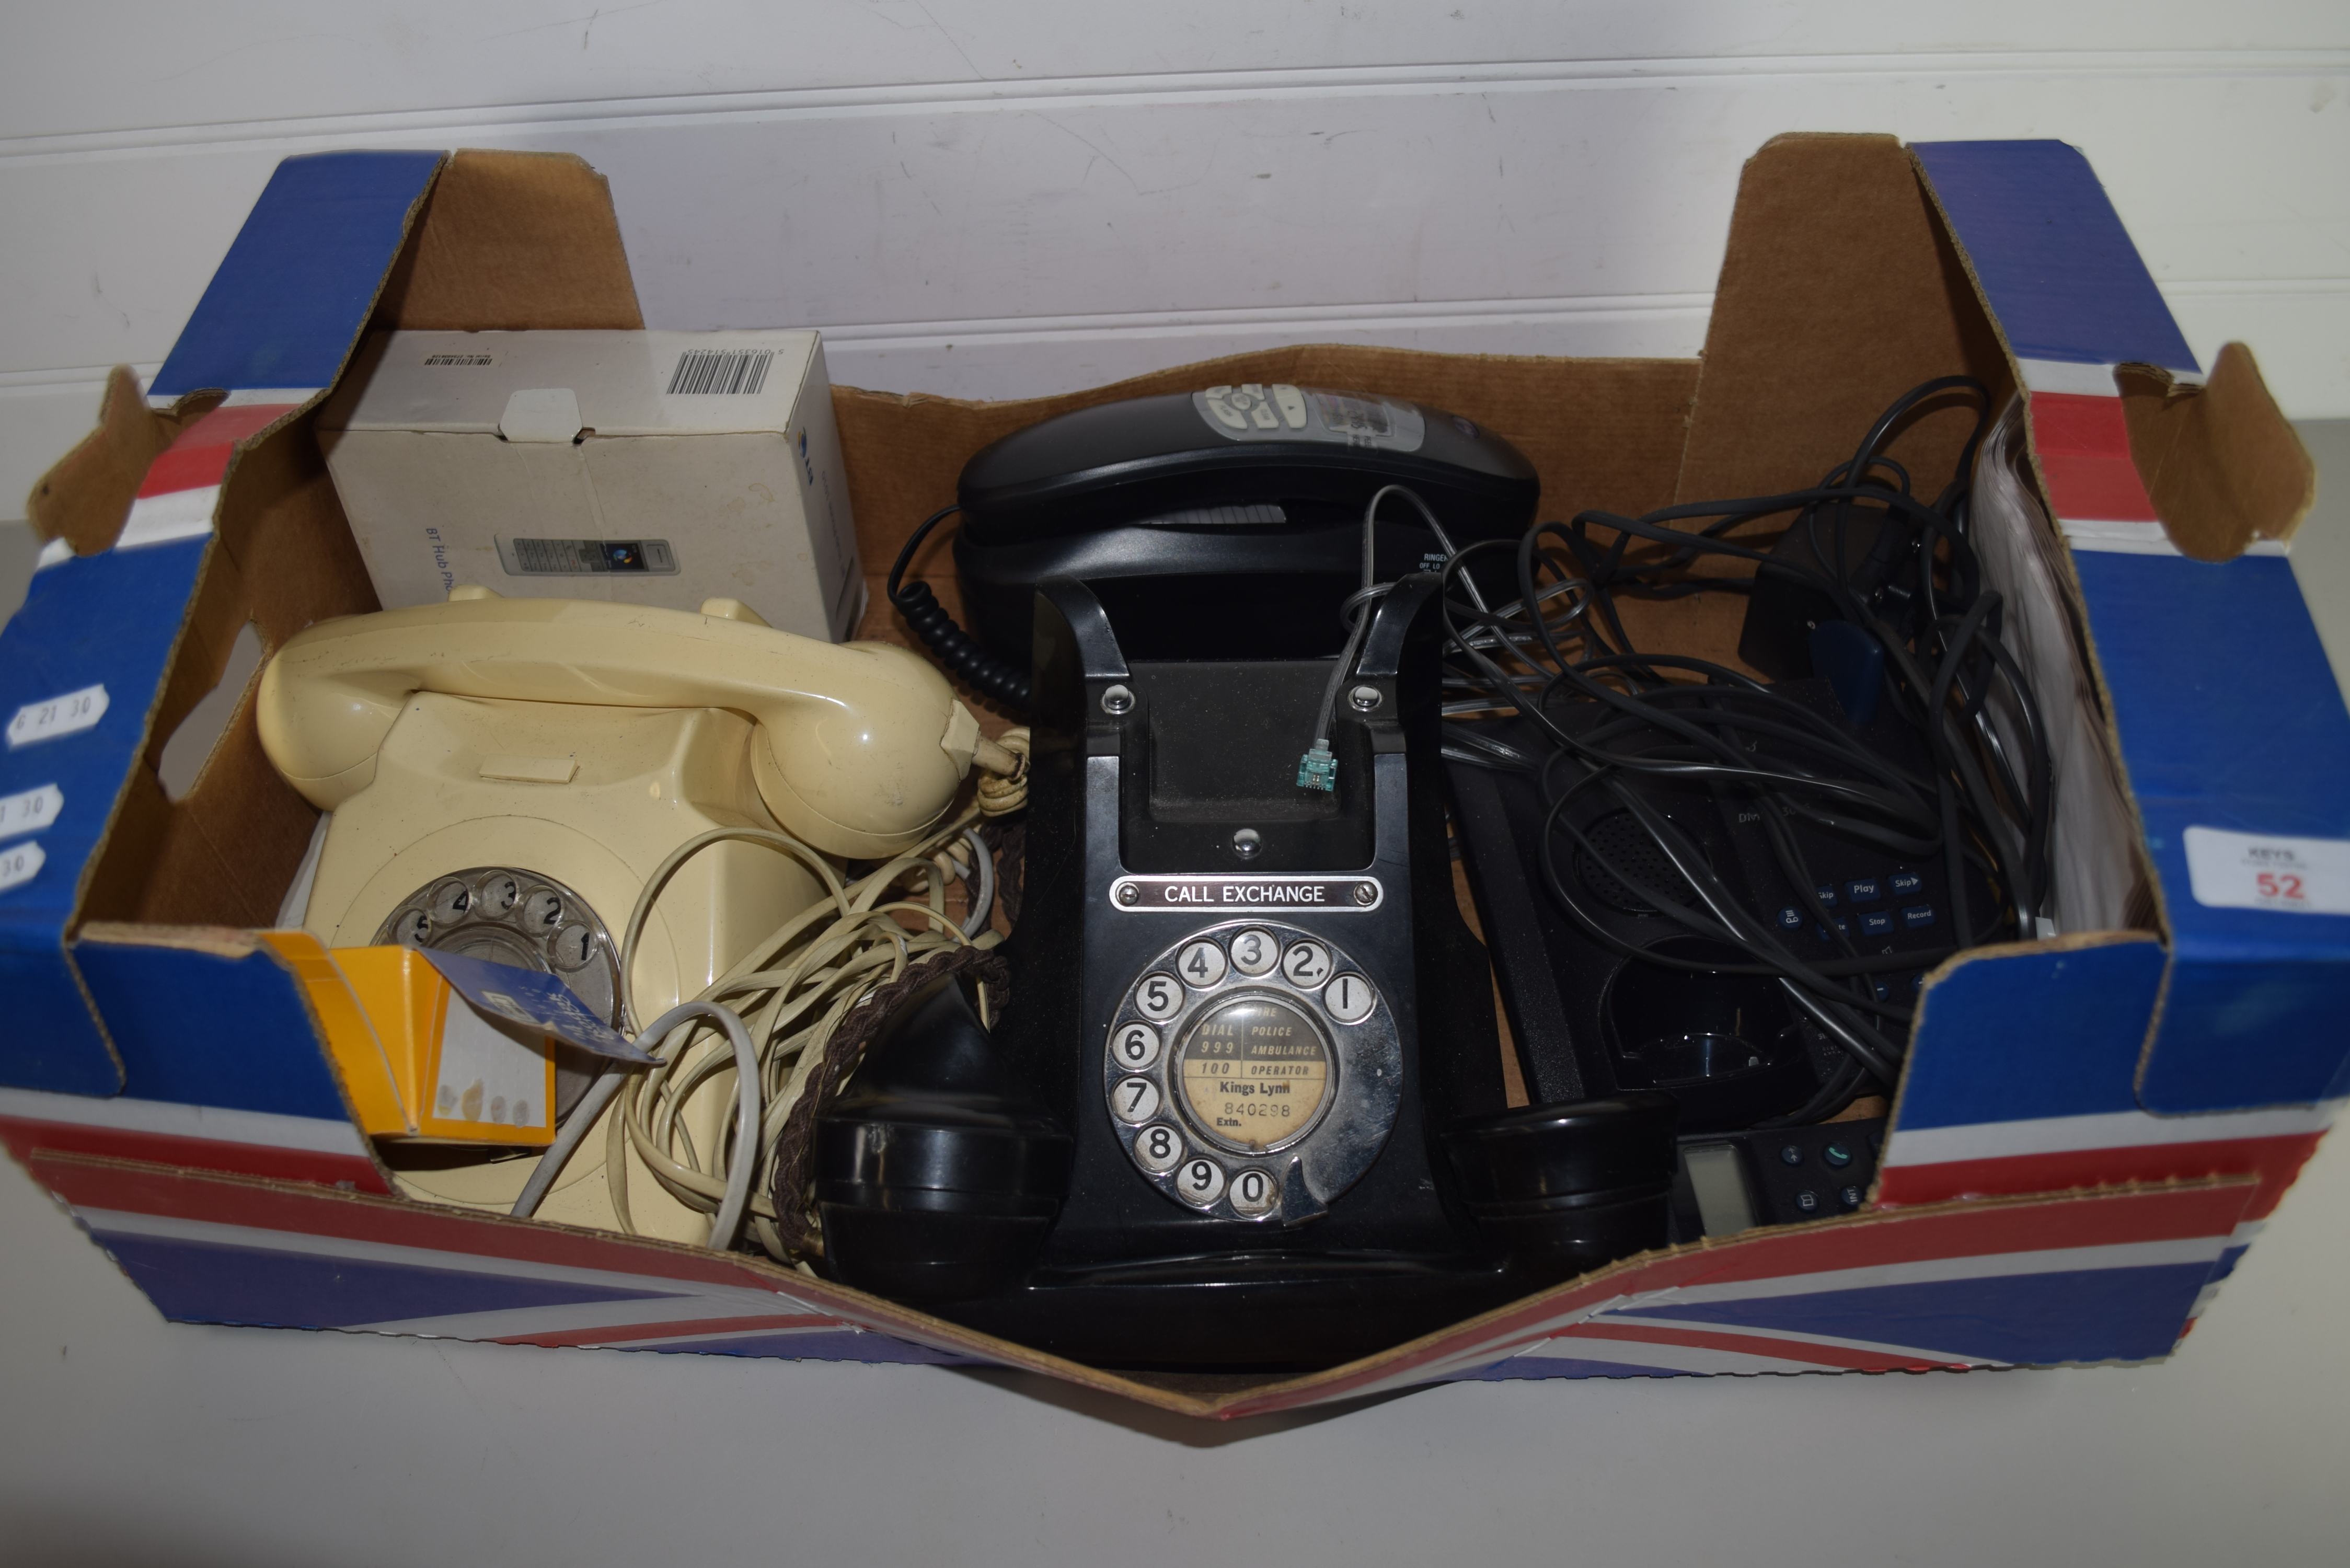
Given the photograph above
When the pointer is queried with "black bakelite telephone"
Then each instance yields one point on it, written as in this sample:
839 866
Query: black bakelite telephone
1246 1109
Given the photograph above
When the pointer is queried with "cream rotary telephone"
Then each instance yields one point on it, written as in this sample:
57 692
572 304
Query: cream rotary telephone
505 775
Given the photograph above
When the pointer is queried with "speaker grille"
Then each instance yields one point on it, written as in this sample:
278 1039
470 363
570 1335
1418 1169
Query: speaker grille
1622 842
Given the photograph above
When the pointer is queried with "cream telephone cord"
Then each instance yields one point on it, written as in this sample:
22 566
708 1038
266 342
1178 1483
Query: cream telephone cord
776 1007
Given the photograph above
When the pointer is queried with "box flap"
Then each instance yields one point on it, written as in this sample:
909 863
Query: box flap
2029 1032
83 661
2231 719
301 277
2071 296
237 1086
99 633
627 383
513 242
2022 1078
2226 709
1839 291
253 1047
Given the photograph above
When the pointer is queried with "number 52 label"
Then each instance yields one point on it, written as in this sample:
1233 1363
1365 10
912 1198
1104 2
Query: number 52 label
2256 871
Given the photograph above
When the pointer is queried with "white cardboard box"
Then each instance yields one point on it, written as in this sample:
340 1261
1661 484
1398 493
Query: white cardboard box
659 468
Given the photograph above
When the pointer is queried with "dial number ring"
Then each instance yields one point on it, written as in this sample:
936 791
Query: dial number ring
514 916
1135 1100
1261 1053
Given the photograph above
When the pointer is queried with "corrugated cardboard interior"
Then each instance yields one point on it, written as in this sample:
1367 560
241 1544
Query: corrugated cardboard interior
2221 465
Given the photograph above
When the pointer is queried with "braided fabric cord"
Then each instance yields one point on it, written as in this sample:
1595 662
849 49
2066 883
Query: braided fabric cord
796 1146
1008 839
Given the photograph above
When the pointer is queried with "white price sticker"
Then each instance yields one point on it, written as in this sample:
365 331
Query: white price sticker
19 864
67 715
2256 871
31 811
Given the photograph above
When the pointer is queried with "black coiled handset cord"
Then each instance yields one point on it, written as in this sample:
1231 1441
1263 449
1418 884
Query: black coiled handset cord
952 646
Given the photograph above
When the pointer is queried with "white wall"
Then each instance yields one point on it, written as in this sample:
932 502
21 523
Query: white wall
1000 197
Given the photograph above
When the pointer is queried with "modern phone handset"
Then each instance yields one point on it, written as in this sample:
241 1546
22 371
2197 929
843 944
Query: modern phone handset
864 743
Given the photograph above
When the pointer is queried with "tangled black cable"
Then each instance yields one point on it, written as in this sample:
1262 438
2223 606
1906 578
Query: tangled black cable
1612 715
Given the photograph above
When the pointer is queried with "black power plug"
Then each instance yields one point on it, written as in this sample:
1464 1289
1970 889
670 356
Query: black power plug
1787 604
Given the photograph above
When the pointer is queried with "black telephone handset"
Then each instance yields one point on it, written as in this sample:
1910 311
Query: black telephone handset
1232 516
1258 1037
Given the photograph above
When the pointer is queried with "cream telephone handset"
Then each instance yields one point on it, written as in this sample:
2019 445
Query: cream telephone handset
505 775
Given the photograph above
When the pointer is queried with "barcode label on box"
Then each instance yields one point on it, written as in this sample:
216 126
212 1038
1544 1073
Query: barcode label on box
470 360
2258 871
19 864
576 557
720 372
67 715
30 812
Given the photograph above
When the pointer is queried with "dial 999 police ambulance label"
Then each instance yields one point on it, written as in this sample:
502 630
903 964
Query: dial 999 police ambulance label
2260 871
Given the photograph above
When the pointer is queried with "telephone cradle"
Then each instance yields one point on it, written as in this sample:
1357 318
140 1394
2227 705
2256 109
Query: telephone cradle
1246 1109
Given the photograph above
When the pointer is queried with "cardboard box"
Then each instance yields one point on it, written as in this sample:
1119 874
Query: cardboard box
657 468
2091 1128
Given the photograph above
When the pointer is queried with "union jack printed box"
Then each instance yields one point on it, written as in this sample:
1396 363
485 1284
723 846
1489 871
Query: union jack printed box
2092 1128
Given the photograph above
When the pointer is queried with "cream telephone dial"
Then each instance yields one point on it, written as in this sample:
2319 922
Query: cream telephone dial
505 775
